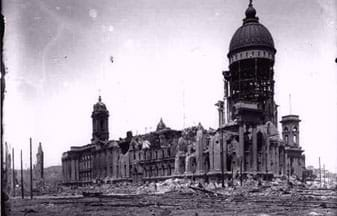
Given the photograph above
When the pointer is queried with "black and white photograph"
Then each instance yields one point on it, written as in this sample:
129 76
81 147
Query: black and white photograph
168 107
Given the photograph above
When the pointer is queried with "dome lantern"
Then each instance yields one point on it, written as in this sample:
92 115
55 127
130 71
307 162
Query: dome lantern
250 13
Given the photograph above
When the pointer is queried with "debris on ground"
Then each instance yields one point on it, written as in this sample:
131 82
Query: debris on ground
278 187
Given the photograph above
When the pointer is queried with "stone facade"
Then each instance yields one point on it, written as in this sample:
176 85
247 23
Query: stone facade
246 141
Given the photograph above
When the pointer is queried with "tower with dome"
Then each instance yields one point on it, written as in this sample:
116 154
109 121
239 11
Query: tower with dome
248 117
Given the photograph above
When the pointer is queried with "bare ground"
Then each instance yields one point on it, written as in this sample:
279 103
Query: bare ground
304 202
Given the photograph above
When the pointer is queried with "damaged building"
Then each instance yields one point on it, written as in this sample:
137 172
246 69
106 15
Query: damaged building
247 140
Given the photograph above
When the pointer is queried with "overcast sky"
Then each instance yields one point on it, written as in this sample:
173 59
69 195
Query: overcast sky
168 57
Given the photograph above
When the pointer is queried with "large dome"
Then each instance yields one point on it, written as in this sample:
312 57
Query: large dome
251 34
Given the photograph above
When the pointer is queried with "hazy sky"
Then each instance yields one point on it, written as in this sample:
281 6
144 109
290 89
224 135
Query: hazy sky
168 58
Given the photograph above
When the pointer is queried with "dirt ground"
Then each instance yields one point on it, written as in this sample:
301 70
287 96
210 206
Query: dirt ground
304 202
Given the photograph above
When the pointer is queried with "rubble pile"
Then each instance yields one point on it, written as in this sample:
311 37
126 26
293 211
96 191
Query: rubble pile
278 188
169 185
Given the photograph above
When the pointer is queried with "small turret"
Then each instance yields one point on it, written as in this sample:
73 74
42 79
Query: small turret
100 121
290 130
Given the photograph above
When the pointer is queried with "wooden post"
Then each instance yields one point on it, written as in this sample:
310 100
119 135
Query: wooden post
324 183
13 173
2 96
22 194
31 172
320 174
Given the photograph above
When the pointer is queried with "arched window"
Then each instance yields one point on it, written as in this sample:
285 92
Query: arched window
169 170
295 134
294 138
286 129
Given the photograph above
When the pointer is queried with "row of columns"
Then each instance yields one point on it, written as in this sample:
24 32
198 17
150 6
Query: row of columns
70 168
269 154
158 170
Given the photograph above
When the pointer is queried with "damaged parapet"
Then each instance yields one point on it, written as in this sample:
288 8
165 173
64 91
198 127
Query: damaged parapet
39 166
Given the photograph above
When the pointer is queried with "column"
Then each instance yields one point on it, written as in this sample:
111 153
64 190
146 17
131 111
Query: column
90 167
241 143
220 106
211 154
271 157
277 162
274 158
217 159
267 154
226 118
254 154
68 170
176 164
281 161
108 162
77 174
286 163
199 152
224 143
73 170
94 163
63 170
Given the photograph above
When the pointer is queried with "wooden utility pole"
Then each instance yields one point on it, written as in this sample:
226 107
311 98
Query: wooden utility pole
13 173
2 96
324 175
320 173
22 194
31 171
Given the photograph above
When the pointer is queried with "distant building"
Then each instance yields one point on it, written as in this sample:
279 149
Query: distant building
247 140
